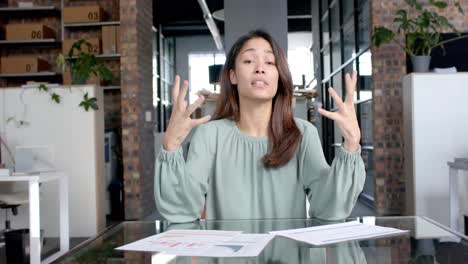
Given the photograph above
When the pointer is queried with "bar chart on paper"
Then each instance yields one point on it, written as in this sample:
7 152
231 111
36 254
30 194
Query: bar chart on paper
207 243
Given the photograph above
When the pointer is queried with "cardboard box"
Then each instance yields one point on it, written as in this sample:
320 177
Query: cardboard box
110 39
23 64
94 49
28 32
107 40
79 14
25 3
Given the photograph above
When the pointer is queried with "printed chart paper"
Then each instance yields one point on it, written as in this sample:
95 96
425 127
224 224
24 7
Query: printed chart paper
203 243
336 233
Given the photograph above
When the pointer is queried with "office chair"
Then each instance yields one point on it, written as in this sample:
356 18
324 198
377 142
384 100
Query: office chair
12 201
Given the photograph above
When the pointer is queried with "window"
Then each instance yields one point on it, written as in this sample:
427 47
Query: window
349 42
163 75
199 73
344 47
300 58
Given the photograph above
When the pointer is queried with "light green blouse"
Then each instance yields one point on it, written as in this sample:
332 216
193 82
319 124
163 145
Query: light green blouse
224 171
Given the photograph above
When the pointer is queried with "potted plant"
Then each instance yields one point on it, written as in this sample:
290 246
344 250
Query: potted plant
82 68
422 25
84 65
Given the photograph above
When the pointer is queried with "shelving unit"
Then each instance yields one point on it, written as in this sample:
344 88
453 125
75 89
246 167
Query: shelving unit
93 30
95 24
42 14
49 15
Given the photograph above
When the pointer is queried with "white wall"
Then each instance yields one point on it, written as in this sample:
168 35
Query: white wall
435 132
77 138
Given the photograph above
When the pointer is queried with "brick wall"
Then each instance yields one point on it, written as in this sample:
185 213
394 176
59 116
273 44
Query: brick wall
137 98
389 67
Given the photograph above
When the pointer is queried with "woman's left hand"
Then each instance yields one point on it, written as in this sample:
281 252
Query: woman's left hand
345 116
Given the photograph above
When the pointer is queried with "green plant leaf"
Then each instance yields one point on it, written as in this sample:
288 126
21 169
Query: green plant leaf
402 19
77 46
43 87
55 97
88 103
414 4
105 73
439 4
411 39
60 61
402 13
458 5
382 36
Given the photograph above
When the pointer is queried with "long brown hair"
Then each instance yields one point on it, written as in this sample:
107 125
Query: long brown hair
284 135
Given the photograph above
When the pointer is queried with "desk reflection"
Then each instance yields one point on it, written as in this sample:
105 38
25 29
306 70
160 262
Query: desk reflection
280 250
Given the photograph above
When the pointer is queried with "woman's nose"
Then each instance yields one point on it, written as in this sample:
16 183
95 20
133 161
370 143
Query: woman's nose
259 68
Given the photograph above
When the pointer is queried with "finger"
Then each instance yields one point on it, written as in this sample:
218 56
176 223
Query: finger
199 121
328 114
183 92
195 105
175 89
350 86
336 98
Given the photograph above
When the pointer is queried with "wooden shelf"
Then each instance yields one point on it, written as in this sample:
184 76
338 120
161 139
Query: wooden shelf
111 87
28 9
95 24
100 56
38 41
37 74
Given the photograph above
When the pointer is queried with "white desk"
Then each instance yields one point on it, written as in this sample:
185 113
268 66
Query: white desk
34 212
454 167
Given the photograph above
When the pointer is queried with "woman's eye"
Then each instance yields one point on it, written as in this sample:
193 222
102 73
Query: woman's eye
247 61
270 63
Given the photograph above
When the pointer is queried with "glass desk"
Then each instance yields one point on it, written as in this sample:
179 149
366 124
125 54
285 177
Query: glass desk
428 242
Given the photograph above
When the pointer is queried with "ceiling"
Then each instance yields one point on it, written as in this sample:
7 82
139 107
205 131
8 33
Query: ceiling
185 17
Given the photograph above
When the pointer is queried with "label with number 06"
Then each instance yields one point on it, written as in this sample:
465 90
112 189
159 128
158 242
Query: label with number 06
36 34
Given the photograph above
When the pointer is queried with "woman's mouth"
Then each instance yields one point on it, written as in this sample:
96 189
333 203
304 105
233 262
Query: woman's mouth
258 83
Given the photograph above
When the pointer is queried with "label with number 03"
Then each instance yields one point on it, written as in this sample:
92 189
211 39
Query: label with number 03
93 16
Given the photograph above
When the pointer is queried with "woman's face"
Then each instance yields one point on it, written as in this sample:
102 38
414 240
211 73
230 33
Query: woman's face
255 74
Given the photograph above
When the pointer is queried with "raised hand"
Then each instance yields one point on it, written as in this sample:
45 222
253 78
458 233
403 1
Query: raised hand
345 117
180 122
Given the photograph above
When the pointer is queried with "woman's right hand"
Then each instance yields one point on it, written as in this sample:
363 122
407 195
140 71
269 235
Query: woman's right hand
180 122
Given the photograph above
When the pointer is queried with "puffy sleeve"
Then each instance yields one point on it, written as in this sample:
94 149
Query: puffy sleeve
180 186
332 190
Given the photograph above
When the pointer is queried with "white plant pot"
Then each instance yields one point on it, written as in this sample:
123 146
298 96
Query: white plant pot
421 63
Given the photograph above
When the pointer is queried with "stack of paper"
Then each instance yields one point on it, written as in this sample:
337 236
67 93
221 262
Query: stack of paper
206 243
336 233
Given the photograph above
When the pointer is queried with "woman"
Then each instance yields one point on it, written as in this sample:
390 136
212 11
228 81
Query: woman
255 160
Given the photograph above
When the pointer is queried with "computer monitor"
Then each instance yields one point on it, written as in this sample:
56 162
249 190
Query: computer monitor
30 159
